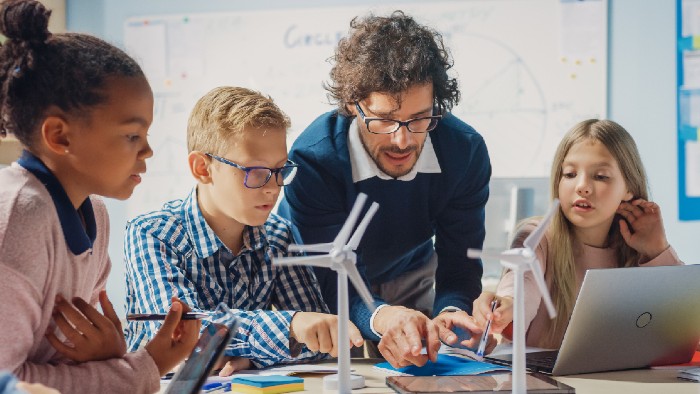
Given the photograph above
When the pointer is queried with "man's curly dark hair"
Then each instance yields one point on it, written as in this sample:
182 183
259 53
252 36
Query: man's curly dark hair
390 55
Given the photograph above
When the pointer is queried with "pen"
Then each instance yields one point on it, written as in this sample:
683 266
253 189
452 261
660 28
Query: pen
484 338
161 316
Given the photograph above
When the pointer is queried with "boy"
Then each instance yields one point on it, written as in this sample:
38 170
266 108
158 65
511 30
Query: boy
217 244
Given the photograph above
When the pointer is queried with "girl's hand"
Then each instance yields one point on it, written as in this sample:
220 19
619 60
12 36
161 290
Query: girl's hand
502 316
645 232
93 336
319 332
175 339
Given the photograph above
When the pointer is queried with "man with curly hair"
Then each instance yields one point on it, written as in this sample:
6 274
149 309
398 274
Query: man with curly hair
393 138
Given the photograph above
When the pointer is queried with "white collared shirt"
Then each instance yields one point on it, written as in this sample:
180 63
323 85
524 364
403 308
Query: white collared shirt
364 167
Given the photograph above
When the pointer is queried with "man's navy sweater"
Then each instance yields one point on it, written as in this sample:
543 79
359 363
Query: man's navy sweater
447 205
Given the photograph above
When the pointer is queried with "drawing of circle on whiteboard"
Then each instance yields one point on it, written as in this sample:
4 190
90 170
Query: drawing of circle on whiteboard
503 101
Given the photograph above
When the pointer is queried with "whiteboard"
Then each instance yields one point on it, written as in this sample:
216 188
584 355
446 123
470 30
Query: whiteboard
528 70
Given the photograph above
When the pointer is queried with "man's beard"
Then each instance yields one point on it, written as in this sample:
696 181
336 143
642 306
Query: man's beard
396 150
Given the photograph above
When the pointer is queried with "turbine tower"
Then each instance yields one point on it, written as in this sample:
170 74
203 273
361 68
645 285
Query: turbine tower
521 260
340 256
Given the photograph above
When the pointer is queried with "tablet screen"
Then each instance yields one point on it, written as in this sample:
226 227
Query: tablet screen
472 384
212 342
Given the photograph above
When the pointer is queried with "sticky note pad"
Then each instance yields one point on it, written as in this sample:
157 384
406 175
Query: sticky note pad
271 384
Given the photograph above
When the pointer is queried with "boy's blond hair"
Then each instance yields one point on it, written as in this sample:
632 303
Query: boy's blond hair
225 112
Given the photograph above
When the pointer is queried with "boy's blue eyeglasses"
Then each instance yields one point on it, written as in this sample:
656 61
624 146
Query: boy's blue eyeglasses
257 177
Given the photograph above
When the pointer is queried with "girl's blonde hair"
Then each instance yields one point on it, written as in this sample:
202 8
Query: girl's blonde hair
562 245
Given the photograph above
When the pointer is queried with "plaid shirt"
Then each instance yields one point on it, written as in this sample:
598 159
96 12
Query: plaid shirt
174 252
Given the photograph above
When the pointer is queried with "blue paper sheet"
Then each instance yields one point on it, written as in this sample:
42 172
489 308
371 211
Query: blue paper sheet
446 365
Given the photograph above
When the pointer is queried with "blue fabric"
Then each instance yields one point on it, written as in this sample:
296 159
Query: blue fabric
449 206
8 384
78 237
174 252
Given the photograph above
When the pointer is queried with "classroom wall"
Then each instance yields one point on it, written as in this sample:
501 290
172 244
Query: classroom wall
641 90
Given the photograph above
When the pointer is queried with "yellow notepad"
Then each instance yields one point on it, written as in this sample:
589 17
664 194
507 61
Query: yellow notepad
271 384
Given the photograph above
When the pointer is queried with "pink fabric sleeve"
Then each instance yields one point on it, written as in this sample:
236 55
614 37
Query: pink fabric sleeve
667 257
134 373
506 287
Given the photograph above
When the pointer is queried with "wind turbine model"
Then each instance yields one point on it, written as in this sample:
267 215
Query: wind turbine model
341 258
520 260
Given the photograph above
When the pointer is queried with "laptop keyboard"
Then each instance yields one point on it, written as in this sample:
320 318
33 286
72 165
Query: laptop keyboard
541 361
536 362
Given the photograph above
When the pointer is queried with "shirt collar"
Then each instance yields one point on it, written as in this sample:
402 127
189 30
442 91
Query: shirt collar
364 167
78 237
206 242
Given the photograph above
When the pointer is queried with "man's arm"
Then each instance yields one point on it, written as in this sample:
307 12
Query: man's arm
460 227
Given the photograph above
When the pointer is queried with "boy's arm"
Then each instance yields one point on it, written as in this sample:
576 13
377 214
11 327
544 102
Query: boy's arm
153 276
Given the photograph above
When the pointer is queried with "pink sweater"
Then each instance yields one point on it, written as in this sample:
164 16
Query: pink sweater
586 257
35 266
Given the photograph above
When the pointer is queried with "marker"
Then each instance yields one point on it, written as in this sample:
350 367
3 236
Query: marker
161 316
484 338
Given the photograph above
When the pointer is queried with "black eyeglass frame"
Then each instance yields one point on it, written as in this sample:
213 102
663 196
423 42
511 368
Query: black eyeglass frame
400 123
271 171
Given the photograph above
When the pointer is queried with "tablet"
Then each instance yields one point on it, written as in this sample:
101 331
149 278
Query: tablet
473 384
211 344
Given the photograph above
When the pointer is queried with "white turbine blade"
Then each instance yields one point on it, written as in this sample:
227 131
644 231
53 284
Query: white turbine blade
359 284
357 236
323 260
319 248
542 285
510 255
535 237
342 238
474 253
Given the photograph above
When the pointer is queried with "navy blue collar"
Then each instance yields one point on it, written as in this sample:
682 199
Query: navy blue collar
78 238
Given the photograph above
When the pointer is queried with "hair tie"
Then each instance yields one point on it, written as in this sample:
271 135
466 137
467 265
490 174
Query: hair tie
17 70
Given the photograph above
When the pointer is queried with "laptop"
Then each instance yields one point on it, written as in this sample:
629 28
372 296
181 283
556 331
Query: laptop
627 318
211 344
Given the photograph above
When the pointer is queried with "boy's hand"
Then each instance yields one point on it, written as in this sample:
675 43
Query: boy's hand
175 339
232 364
94 336
319 332
502 316
645 232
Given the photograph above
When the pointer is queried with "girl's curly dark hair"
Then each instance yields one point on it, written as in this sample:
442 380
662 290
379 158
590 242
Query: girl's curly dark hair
390 55
39 69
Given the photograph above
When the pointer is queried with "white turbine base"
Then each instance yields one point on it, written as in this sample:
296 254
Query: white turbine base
330 382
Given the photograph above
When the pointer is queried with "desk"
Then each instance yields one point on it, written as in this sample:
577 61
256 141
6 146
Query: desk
642 381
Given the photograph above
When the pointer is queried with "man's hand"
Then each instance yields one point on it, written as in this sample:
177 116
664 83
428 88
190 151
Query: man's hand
403 331
319 332
455 327
93 336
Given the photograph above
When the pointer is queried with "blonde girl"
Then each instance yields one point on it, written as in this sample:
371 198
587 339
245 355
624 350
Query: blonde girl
605 221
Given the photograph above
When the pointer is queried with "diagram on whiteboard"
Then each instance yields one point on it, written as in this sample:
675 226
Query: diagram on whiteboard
517 89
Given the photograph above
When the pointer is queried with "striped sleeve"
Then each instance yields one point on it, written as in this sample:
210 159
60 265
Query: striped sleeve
153 276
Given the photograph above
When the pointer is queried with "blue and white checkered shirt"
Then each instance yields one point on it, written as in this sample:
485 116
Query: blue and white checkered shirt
174 252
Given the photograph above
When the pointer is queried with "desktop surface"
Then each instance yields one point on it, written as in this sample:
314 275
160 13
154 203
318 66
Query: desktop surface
641 381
